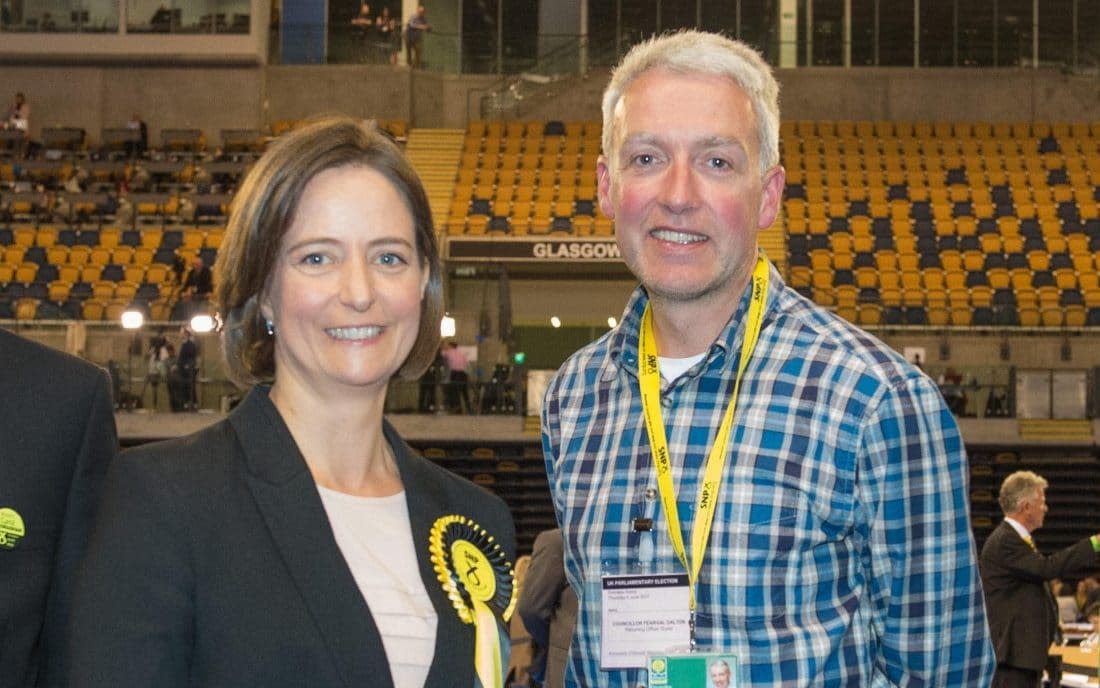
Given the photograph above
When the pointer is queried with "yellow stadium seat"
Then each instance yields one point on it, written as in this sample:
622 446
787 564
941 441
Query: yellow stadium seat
26 309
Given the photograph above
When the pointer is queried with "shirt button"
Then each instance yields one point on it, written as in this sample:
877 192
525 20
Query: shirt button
650 494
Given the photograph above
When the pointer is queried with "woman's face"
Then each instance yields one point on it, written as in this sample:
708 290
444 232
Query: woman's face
346 289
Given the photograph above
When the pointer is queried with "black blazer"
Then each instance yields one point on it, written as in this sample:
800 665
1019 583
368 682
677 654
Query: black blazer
57 436
213 564
1023 617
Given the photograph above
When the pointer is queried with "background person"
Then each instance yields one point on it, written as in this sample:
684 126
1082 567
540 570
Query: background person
414 36
57 437
289 545
548 607
1023 615
841 483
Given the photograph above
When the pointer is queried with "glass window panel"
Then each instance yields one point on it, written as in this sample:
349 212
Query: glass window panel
677 14
1088 35
479 36
601 33
760 27
828 32
895 44
937 33
720 16
1056 31
99 16
237 14
521 20
1013 46
975 33
864 28
639 21
153 16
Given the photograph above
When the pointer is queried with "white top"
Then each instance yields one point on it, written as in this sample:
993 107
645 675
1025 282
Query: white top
375 536
672 368
1024 533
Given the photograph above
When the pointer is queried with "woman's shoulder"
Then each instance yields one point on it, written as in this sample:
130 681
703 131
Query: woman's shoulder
205 455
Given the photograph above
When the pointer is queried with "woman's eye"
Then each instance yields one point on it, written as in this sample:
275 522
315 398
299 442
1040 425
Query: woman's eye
391 259
314 259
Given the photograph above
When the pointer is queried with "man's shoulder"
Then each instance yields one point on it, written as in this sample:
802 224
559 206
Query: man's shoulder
826 335
31 358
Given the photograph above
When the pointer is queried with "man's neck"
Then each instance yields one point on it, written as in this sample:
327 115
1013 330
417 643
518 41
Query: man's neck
688 328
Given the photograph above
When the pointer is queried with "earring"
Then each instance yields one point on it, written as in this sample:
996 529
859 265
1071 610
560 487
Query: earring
270 327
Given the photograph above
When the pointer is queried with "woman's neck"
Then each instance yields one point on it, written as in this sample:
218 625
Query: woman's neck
342 442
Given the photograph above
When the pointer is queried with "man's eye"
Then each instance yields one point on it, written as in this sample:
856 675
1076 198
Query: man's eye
719 163
314 259
644 159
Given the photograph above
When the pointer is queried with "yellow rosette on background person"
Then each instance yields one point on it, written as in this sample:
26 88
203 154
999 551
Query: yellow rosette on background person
479 580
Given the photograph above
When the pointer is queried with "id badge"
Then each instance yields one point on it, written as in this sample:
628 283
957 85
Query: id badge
694 670
643 615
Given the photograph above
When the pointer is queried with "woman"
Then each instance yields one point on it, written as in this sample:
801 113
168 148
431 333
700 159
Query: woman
295 543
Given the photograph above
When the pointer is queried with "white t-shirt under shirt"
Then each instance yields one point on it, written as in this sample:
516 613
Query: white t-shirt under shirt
672 368
375 537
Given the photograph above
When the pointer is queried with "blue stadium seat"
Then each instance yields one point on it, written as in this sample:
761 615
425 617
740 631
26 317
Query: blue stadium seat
80 291
1093 318
130 238
930 260
113 273
995 261
983 315
893 315
7 310
1043 278
1060 260
843 277
977 279
864 260
916 315
46 274
37 255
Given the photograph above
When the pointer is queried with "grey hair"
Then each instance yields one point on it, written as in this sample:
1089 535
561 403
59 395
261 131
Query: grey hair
1018 487
693 51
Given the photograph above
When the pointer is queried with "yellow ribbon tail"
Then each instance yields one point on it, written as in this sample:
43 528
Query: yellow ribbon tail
487 657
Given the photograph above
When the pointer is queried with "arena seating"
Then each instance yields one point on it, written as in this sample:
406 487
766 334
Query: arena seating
927 224
946 223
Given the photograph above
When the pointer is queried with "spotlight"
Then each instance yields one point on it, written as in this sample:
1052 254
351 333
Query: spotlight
555 321
447 326
132 318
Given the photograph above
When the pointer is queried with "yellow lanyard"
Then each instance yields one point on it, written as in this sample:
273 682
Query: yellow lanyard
650 379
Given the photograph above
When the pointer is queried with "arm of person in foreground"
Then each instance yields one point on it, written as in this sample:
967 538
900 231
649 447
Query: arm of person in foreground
132 622
929 612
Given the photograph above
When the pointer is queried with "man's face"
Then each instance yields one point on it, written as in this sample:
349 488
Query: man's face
683 184
720 675
1035 510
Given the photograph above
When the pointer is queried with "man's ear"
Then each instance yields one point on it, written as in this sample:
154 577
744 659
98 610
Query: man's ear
603 187
771 196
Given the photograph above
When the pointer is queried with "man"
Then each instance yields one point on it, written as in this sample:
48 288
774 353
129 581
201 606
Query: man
720 674
835 503
188 362
548 607
414 36
199 282
57 435
1023 616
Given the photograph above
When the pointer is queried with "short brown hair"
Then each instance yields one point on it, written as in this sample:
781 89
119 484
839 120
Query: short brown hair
262 212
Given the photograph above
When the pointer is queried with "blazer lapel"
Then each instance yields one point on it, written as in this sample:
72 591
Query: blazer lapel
286 495
453 663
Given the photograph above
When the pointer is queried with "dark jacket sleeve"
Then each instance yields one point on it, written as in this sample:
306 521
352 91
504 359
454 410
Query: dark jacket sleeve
132 612
542 586
98 446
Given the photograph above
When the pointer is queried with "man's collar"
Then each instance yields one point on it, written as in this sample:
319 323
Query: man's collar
1018 527
624 342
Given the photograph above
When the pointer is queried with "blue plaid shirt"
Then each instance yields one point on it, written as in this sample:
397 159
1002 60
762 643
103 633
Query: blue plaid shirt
841 552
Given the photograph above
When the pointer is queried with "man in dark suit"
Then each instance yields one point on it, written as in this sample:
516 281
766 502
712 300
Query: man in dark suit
1023 616
548 607
57 435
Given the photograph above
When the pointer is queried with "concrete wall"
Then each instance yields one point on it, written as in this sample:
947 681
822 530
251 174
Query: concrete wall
213 97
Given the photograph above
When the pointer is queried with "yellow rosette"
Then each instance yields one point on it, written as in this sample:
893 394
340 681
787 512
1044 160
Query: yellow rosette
478 579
